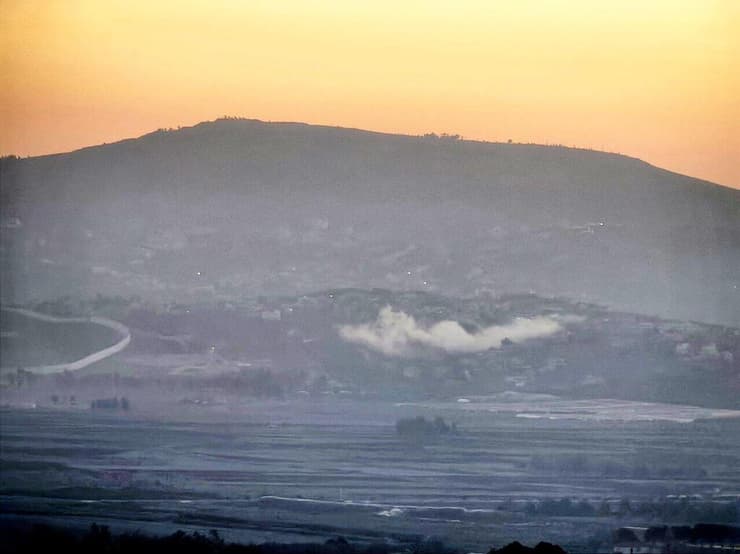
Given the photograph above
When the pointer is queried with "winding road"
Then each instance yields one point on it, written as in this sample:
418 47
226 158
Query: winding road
90 359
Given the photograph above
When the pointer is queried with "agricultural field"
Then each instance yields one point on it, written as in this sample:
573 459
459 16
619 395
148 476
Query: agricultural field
299 470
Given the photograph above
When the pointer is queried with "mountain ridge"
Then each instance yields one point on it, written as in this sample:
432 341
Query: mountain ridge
340 128
295 207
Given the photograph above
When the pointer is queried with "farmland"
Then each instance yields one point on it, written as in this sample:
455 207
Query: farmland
298 470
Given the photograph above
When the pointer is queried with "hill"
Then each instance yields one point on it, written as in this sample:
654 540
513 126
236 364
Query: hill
420 346
242 207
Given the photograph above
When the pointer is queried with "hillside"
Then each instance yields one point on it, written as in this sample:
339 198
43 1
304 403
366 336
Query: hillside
405 346
236 208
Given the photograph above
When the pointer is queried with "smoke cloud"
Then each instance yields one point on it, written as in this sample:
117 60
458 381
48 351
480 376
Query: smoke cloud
398 334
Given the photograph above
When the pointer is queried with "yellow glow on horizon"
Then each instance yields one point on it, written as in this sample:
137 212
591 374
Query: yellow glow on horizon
656 79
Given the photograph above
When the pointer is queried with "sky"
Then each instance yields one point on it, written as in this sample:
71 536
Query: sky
654 79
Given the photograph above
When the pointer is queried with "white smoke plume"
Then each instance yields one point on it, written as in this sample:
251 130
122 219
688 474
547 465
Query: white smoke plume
398 334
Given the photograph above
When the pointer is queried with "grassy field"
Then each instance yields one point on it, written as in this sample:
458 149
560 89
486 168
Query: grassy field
26 342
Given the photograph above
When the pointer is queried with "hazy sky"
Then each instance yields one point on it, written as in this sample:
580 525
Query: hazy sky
656 79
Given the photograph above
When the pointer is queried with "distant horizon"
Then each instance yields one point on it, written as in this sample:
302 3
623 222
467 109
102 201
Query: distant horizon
143 134
656 80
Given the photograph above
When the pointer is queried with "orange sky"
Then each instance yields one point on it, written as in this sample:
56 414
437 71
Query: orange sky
656 79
